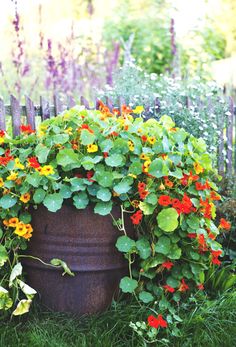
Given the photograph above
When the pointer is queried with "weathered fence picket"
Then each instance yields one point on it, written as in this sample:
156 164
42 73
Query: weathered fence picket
29 112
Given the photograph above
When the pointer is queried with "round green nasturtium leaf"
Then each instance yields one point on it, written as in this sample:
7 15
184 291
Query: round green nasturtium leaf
158 168
146 208
123 187
144 248
67 157
193 222
146 297
172 282
104 179
114 160
81 200
167 219
25 217
39 195
151 199
136 168
65 192
125 244
103 208
7 201
163 245
128 285
86 137
53 202
104 194
175 252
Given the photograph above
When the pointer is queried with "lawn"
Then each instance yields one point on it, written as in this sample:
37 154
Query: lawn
210 324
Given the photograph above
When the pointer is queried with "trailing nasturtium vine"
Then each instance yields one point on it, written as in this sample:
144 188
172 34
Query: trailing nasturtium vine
160 176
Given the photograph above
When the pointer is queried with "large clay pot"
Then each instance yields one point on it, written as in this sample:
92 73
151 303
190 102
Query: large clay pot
86 242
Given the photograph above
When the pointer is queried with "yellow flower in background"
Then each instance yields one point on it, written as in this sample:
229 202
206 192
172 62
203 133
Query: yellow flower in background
69 131
47 170
131 145
140 131
198 168
138 109
135 203
1 183
12 176
25 197
92 148
13 222
1 140
18 164
132 175
151 140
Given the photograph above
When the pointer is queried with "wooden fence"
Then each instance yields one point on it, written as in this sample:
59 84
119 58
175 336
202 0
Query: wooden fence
226 129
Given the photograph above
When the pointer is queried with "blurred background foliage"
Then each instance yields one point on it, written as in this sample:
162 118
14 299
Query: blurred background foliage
75 47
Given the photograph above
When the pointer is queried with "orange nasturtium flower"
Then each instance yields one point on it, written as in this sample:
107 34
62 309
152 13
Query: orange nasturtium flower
25 197
198 168
1 183
224 224
13 222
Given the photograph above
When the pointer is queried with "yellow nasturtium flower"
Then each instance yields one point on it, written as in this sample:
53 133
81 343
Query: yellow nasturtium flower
1 182
47 170
1 140
13 176
25 197
198 168
131 146
18 164
92 148
151 140
138 109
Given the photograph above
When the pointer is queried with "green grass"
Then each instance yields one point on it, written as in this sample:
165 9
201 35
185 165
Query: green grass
211 324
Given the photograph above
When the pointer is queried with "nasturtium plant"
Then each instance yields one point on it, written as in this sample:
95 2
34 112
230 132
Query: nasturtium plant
159 175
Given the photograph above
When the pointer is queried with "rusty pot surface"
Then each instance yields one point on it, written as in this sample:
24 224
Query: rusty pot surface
86 242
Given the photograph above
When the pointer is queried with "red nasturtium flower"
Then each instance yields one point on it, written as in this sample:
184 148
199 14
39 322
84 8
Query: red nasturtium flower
89 175
215 196
215 255
202 243
86 127
167 265
169 288
33 162
157 322
2 133
137 217
105 154
26 129
200 286
187 179
183 286
224 224
164 200
192 235
144 138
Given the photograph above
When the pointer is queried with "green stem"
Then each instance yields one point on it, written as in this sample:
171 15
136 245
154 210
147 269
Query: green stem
40 260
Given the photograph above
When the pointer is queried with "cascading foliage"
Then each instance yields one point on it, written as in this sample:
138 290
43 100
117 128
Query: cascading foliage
160 175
